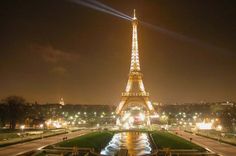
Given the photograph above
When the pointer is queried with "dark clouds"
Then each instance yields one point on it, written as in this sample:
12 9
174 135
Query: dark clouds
53 55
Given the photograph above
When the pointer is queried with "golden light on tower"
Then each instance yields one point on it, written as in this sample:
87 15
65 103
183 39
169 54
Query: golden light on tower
135 90
134 18
135 65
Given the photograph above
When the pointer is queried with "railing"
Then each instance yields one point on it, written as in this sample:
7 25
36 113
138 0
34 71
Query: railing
181 153
123 152
135 94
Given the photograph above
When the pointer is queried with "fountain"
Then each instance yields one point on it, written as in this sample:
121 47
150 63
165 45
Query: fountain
135 142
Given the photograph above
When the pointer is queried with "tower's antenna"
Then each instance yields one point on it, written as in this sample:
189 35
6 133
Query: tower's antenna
134 14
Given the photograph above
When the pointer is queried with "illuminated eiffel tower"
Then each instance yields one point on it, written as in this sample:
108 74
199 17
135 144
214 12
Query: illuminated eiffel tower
135 93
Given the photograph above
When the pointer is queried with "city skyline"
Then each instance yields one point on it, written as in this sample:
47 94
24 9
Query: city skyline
79 53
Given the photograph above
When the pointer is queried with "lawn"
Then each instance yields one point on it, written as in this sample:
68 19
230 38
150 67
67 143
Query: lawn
11 137
167 140
4 136
96 140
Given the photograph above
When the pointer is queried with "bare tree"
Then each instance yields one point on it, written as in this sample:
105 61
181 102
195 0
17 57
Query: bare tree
14 109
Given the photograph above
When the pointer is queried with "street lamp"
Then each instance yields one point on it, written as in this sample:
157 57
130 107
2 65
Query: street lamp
41 126
219 128
22 127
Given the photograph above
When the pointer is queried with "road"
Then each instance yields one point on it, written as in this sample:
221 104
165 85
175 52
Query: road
37 144
213 145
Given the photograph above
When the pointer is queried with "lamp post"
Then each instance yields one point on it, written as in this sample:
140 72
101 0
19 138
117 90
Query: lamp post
22 127
41 127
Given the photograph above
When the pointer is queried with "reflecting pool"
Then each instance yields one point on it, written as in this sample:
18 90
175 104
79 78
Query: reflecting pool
135 142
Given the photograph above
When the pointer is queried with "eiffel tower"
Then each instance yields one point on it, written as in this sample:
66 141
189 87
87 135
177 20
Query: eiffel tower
135 93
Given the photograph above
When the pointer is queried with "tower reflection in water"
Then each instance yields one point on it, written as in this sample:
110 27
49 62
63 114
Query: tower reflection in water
135 142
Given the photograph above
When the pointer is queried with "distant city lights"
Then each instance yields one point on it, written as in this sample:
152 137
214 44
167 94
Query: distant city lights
204 125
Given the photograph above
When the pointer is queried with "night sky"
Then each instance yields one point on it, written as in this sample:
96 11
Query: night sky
54 48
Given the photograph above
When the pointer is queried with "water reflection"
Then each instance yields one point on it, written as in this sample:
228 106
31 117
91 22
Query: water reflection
136 143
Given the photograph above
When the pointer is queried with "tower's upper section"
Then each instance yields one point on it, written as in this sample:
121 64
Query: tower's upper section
134 18
135 65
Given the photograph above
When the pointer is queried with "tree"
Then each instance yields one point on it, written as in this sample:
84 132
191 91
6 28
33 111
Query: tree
3 115
14 109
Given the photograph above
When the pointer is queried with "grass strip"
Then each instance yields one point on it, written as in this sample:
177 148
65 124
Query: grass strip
96 140
29 139
167 140
221 140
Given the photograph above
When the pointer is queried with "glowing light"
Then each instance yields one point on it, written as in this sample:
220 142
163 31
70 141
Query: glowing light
135 65
128 86
204 126
108 8
155 116
48 122
141 86
118 109
22 127
219 128
135 76
142 116
118 122
41 125
55 123
135 144
134 18
104 9
61 102
184 38
149 104
131 120
64 124
126 116
126 126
